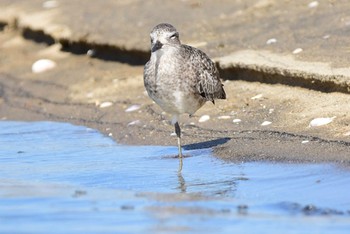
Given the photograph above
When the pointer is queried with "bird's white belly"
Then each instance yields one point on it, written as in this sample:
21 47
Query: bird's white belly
187 103
179 102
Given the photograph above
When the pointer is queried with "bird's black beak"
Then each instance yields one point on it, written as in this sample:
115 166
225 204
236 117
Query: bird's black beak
156 46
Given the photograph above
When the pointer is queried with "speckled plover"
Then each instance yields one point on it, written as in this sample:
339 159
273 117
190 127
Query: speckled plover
178 77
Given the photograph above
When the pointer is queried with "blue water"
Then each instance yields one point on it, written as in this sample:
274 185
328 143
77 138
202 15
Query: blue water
61 178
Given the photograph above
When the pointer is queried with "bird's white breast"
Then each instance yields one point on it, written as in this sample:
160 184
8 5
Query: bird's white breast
169 77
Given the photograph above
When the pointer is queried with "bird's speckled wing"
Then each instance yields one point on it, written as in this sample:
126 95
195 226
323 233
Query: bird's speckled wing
149 79
208 81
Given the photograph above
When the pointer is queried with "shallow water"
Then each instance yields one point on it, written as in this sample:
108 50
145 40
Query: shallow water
61 178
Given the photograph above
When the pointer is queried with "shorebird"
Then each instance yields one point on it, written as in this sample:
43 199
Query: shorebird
178 77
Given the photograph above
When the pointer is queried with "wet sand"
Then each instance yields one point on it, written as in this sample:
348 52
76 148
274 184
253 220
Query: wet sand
76 88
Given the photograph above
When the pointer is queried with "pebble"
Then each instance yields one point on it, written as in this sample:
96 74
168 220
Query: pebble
297 50
135 122
224 117
127 207
271 41
43 65
271 111
347 133
133 108
204 118
106 104
320 121
304 142
91 53
265 123
236 120
313 4
174 133
257 96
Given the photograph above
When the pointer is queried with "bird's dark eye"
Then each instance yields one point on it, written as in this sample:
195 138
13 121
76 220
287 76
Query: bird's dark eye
174 36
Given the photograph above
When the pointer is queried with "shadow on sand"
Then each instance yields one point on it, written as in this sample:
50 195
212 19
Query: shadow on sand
206 144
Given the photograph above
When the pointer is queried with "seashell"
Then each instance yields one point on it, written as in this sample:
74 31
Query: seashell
106 104
257 96
271 41
265 123
224 117
236 120
43 65
133 108
135 122
91 53
297 50
320 121
304 142
313 4
204 118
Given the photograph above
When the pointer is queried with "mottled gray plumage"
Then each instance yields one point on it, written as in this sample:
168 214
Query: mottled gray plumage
179 78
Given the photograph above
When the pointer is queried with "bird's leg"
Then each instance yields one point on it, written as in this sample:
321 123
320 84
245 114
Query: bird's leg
178 134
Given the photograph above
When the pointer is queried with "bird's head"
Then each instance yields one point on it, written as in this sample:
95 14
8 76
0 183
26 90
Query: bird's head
164 34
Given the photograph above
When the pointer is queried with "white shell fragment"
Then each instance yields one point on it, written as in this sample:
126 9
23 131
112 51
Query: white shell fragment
265 123
313 4
297 50
204 118
106 104
304 142
43 65
133 108
135 122
236 120
271 41
91 53
320 121
257 96
224 117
